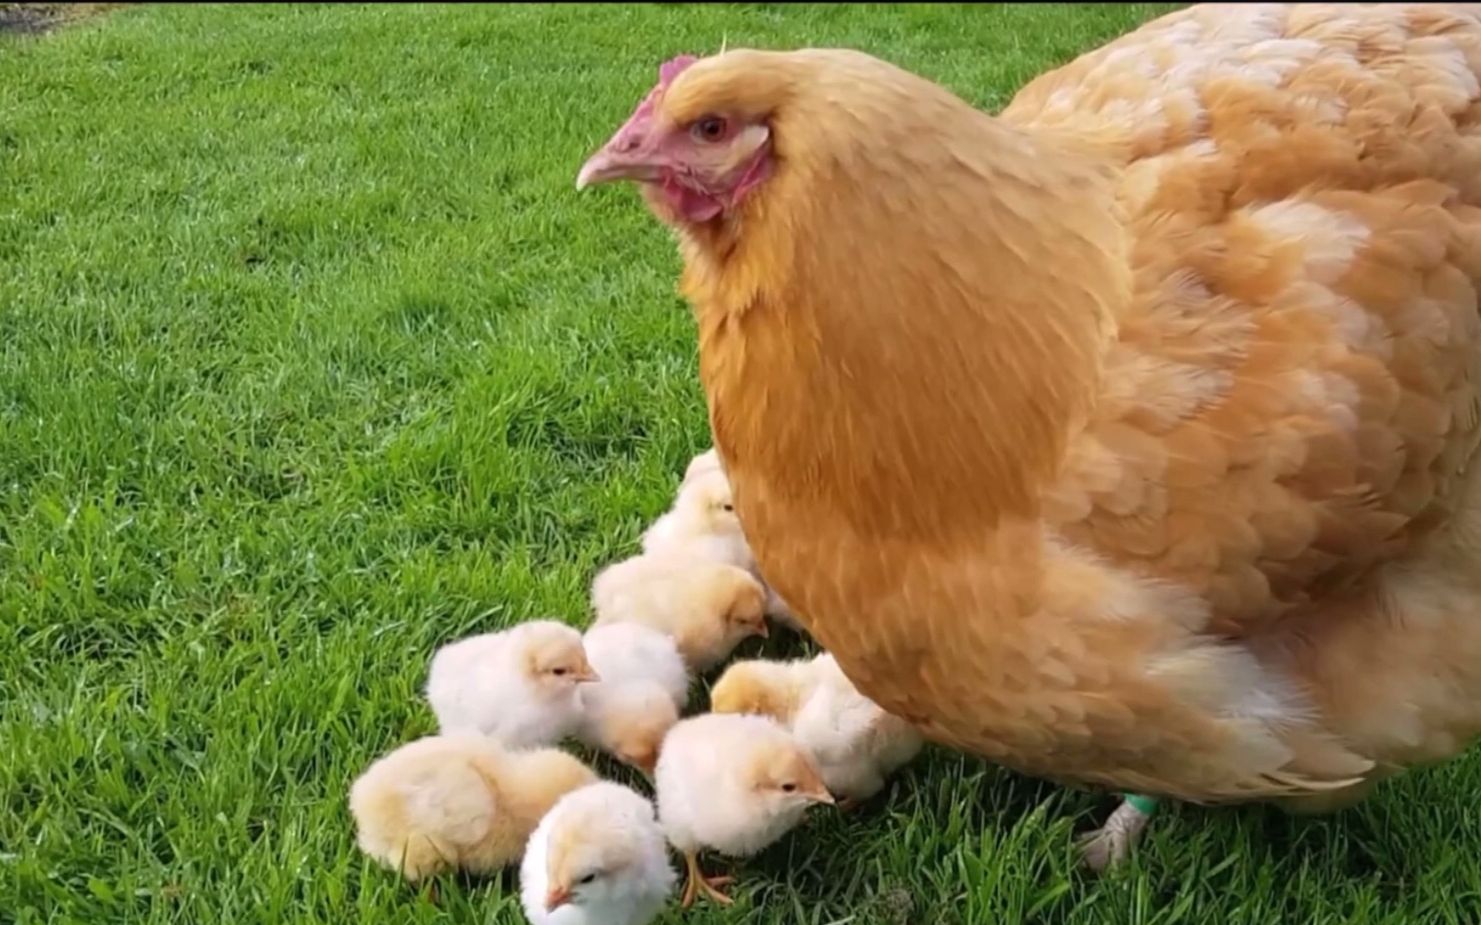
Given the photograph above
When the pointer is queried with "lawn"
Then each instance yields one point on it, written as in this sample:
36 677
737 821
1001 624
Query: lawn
312 358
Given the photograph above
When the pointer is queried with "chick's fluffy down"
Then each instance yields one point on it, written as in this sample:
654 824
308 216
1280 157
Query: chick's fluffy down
457 801
707 607
602 845
702 523
518 685
717 781
856 744
623 651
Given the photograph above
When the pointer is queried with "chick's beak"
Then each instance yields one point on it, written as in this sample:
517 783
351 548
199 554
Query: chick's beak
631 154
763 630
557 897
587 675
821 795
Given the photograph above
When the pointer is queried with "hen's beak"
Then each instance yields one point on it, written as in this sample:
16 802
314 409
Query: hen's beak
557 897
631 154
606 166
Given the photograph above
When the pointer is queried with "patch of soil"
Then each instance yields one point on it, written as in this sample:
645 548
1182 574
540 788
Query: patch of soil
37 18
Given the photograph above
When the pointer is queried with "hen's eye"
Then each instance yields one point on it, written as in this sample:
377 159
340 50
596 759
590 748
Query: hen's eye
789 788
589 878
711 128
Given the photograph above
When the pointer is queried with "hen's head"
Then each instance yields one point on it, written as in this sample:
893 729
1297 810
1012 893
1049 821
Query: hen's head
703 140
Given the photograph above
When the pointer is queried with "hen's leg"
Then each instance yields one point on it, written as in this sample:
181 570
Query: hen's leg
697 882
1112 843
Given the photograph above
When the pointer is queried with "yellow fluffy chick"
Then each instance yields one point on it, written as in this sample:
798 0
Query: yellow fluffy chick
734 784
463 802
702 522
856 744
518 686
707 607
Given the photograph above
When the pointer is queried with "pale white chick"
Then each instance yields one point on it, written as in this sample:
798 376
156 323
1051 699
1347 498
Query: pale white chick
708 608
644 685
627 720
704 462
518 686
855 743
702 522
457 802
597 858
625 651
734 784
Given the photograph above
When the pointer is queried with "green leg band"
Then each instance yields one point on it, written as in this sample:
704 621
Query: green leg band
1144 805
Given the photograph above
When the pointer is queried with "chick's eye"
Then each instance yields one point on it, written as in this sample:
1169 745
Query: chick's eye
789 788
710 128
589 878
559 672
728 507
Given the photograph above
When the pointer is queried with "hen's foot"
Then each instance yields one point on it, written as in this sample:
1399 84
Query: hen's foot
1111 844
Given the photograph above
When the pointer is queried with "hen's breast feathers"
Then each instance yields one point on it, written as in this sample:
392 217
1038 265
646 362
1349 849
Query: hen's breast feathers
1294 388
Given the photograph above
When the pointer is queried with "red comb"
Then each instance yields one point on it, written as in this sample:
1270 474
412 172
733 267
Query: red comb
673 67
667 71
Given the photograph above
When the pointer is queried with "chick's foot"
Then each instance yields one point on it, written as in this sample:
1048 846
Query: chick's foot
697 882
1111 844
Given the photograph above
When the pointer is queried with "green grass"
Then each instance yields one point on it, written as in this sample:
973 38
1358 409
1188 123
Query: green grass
311 358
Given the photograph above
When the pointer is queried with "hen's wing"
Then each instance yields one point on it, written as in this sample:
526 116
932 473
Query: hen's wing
1294 391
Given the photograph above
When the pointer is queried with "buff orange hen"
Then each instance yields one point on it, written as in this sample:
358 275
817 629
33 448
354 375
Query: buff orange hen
1124 437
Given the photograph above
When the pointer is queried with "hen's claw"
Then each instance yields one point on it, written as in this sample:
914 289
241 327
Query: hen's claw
1111 844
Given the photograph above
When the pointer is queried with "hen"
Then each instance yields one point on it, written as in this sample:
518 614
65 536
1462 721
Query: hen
1124 438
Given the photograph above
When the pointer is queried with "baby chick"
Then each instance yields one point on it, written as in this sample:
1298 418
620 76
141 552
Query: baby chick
854 742
597 858
622 652
457 801
702 523
707 607
704 462
734 784
518 686
627 719
644 685
765 687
